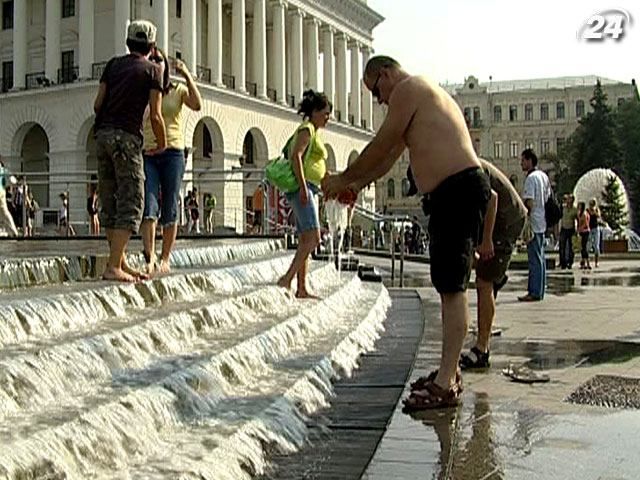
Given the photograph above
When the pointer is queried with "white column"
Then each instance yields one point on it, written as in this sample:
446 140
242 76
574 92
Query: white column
328 64
19 44
367 98
162 22
260 47
85 38
296 53
121 23
214 39
312 52
279 46
356 83
52 56
341 80
189 35
239 45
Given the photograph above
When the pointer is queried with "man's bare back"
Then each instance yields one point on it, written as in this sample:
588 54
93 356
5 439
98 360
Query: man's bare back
437 137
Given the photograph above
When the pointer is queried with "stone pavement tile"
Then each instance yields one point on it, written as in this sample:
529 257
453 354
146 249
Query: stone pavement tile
379 470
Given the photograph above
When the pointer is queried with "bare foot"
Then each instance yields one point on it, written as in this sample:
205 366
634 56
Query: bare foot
118 275
135 273
164 267
282 283
305 294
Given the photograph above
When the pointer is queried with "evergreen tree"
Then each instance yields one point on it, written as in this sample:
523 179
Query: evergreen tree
628 133
594 143
612 206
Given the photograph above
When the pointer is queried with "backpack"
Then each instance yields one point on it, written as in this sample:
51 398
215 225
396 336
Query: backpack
552 211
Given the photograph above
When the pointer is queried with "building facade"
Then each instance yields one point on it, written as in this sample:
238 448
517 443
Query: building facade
252 59
506 117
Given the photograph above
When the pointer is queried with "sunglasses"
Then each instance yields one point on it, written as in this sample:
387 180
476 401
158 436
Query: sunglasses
374 90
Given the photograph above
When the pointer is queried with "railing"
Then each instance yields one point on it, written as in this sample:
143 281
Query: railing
203 73
36 80
97 69
363 123
252 88
291 101
477 124
272 94
5 86
229 80
352 119
338 114
68 75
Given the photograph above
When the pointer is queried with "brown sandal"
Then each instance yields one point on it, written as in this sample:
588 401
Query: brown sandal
421 382
432 397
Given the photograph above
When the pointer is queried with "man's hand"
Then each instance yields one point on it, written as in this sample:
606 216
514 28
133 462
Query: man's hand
181 68
333 185
154 151
485 250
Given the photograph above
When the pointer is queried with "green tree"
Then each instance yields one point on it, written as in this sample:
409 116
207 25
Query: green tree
594 143
628 133
612 206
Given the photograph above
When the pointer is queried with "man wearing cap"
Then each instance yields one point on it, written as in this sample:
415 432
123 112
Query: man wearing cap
128 84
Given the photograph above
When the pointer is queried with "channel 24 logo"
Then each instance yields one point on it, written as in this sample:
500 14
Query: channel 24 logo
611 24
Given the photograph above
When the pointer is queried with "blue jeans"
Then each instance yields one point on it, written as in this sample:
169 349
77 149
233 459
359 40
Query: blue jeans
306 215
537 266
163 173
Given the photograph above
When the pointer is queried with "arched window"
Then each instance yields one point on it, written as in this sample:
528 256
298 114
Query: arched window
248 149
544 111
528 111
580 108
405 187
560 110
391 188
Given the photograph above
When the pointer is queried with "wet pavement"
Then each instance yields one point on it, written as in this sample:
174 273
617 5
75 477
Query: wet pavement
583 424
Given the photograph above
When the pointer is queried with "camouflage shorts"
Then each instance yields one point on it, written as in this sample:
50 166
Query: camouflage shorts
120 179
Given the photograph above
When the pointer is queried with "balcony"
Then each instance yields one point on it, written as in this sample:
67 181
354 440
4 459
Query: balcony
272 94
36 80
203 74
68 75
229 81
477 123
252 88
97 69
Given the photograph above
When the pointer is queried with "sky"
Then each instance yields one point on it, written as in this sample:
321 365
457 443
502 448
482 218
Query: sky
449 40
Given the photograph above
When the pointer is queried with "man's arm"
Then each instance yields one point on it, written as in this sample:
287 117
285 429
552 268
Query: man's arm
157 122
99 101
528 202
381 168
486 247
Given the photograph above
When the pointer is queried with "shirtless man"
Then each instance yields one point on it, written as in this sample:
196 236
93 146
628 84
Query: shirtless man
425 119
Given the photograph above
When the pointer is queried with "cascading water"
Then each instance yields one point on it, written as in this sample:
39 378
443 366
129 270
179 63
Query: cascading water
337 215
193 375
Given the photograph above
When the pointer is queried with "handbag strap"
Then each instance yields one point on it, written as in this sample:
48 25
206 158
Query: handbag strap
293 138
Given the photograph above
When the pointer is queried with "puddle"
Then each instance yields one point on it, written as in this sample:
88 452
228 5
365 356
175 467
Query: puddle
566 353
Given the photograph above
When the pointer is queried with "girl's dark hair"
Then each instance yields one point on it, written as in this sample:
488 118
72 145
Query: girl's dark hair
581 207
166 76
313 101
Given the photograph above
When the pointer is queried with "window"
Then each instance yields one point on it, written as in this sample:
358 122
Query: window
391 188
528 112
513 113
560 142
179 8
68 8
544 111
497 113
178 55
544 146
497 150
406 185
476 115
580 108
467 116
7 76
530 144
66 74
560 110
513 150
7 15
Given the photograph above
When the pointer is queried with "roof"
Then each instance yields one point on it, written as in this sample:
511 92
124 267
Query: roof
537 84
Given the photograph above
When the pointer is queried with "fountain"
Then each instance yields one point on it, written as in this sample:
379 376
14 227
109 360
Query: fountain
337 214
592 184
201 374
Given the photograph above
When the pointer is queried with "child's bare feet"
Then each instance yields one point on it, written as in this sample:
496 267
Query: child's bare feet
283 283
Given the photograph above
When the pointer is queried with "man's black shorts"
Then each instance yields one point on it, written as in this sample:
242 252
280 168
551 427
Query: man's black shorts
457 208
